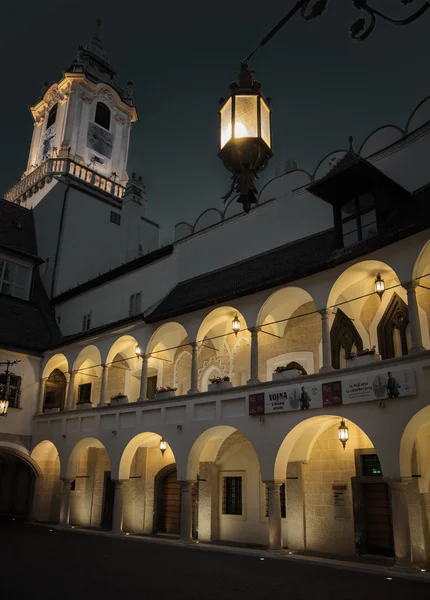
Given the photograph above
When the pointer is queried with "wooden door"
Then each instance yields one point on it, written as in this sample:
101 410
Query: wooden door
108 500
171 504
377 519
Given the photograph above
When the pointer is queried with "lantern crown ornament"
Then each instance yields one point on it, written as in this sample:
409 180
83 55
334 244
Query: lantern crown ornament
245 136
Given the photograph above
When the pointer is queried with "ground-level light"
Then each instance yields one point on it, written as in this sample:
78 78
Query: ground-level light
343 433
163 446
379 285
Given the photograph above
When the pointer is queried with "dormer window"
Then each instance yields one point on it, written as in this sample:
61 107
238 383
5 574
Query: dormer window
52 116
13 279
102 117
358 219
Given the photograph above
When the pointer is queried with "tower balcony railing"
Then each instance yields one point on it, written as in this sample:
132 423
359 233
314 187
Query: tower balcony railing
36 180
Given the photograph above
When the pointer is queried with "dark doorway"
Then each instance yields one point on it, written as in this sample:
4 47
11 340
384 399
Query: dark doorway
167 503
151 387
377 519
17 480
108 500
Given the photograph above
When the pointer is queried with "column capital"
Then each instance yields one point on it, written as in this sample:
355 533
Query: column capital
119 482
325 312
254 330
410 285
274 482
67 480
193 345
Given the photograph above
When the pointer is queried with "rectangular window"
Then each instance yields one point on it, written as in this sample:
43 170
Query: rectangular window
135 304
13 279
283 503
370 465
84 393
86 322
10 388
151 387
359 219
232 495
115 217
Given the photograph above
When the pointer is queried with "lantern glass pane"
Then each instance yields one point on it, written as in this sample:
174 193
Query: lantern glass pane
245 117
265 123
225 123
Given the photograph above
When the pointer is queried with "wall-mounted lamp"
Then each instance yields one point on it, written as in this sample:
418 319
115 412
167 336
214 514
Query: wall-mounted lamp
379 286
163 446
343 433
235 325
4 404
138 351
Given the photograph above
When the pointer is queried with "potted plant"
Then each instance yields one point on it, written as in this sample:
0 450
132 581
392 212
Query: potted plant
285 372
165 391
219 383
50 407
118 399
363 357
84 405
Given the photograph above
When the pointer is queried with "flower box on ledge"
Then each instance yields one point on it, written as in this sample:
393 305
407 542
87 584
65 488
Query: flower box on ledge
117 400
289 374
217 387
164 395
366 359
84 406
53 410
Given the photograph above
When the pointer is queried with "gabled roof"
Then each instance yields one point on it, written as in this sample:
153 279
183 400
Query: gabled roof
17 233
351 176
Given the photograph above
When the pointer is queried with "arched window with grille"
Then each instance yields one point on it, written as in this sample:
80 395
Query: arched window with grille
55 390
102 117
52 117
393 329
345 340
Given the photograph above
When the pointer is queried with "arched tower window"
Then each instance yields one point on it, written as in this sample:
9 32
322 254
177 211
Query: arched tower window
102 117
55 390
52 116
393 329
345 339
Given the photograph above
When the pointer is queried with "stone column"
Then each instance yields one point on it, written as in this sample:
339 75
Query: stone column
70 391
326 343
118 506
186 510
143 378
65 502
254 356
194 369
400 518
414 318
41 396
103 387
275 523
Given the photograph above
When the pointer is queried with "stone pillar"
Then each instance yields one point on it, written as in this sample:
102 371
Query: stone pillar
400 518
275 523
103 387
414 318
254 356
186 510
143 378
194 369
118 506
70 391
208 524
65 502
41 396
295 500
326 343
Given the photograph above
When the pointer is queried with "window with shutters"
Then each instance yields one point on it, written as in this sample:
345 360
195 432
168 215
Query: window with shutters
135 307
86 322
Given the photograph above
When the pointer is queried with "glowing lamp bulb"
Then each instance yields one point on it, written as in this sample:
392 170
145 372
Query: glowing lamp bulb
3 407
138 351
235 325
240 130
379 285
343 433
163 446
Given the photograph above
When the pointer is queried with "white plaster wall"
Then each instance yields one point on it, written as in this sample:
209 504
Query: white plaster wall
19 421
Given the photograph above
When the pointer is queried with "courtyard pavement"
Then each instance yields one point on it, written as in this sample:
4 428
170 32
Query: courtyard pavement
46 563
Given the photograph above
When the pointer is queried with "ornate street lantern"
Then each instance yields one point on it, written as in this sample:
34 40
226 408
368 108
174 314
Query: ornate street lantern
4 404
163 446
138 351
379 286
343 433
245 136
235 324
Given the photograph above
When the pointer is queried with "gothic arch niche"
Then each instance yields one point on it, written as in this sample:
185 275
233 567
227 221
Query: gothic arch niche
55 390
345 339
393 329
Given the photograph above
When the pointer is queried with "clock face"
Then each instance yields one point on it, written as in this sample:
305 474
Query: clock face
47 143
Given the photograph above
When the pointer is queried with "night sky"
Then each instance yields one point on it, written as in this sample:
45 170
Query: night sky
182 56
